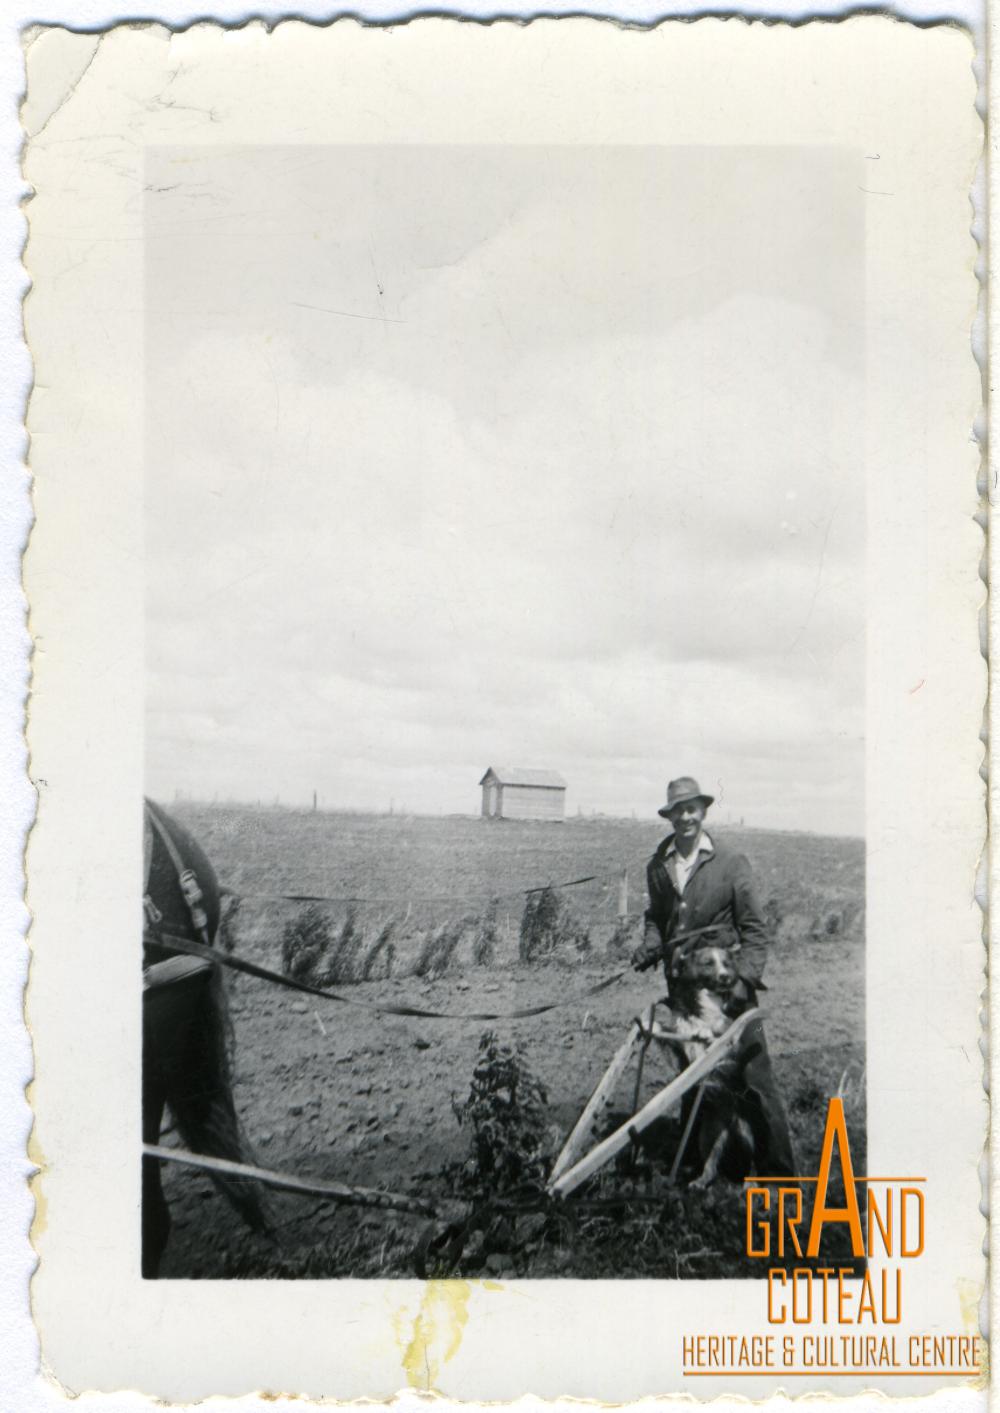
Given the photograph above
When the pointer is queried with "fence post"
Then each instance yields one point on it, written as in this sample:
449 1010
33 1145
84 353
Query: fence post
623 894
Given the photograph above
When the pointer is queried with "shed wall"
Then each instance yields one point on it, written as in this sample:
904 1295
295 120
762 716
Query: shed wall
532 802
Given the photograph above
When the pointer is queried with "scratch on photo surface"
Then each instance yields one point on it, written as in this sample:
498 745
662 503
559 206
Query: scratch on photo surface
819 576
347 313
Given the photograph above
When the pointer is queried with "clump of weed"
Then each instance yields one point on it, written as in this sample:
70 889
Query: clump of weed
548 924
624 939
382 948
851 1089
484 944
307 941
439 947
505 1114
774 912
808 1098
229 906
344 963
313 950
825 926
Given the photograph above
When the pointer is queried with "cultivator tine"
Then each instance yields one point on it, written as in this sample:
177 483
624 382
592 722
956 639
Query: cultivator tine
561 1184
597 1103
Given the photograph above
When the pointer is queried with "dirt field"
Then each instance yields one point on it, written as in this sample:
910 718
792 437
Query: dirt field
335 1092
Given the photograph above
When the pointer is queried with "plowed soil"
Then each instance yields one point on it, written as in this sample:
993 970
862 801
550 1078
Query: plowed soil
339 1092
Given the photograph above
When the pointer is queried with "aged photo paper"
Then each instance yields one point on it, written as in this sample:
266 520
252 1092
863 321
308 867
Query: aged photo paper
505 710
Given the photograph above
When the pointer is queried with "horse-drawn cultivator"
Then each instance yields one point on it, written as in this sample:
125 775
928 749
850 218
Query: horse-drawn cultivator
573 1167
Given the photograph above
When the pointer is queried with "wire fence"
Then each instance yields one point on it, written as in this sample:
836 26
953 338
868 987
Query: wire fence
596 892
411 899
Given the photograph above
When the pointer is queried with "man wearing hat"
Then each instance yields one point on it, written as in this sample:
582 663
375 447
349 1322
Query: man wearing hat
699 887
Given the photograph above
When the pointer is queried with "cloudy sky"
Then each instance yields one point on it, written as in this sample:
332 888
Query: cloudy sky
538 456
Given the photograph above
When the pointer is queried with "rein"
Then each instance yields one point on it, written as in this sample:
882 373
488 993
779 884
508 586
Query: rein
241 964
288 1182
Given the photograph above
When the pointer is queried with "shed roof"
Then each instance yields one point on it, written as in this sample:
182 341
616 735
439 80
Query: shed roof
518 775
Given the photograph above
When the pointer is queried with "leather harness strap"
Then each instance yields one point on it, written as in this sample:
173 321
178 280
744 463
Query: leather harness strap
187 879
147 848
174 969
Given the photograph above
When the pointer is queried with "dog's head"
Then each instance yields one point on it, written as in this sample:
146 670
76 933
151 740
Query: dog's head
706 968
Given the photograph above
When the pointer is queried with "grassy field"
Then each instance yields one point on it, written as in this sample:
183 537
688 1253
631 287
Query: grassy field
420 874
368 1098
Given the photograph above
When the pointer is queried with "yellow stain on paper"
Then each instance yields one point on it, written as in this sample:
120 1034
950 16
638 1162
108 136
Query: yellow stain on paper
437 1331
969 1293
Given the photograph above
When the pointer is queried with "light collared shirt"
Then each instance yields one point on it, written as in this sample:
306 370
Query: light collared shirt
680 868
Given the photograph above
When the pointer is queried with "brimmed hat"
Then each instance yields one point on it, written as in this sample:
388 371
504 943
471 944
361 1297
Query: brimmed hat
680 791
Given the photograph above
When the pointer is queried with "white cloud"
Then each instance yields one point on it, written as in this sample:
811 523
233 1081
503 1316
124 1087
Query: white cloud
538 521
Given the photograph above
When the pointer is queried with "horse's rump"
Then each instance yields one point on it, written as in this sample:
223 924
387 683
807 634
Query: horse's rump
186 1029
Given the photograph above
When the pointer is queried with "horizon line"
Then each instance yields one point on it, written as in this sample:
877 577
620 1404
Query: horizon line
405 813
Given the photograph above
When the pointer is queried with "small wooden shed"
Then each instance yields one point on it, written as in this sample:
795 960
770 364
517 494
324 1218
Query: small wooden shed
510 792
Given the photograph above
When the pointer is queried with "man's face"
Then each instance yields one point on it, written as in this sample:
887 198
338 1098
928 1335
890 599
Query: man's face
687 818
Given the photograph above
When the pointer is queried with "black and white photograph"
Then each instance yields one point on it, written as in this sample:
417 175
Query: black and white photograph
505 692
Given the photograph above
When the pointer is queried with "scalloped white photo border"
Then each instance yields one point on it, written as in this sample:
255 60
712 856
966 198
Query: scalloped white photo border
19 1385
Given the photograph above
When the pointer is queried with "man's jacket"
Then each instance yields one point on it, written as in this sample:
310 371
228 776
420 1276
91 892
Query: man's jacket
720 891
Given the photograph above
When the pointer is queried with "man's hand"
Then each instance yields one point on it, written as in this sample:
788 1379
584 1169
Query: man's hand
647 954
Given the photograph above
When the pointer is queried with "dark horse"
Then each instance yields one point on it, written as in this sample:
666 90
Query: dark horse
185 1032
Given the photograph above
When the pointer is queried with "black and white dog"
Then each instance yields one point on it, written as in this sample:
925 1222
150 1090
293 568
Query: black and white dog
706 995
